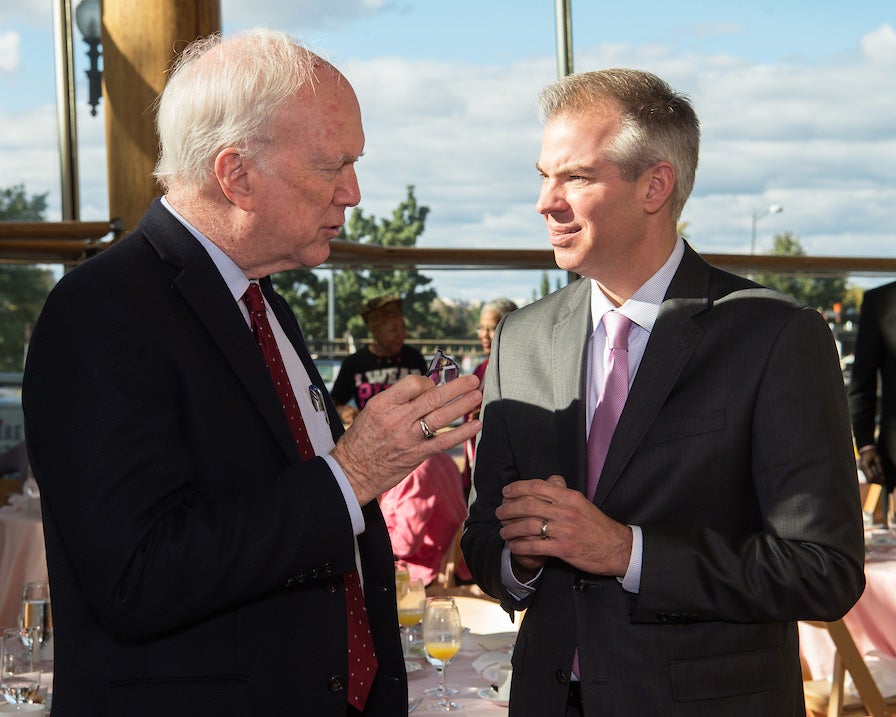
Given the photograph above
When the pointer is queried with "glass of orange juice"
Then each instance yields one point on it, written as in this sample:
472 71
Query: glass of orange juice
442 633
410 610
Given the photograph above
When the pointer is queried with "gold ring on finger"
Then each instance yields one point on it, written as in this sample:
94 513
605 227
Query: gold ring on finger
428 433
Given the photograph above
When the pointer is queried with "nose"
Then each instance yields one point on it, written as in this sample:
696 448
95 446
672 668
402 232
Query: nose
550 198
348 192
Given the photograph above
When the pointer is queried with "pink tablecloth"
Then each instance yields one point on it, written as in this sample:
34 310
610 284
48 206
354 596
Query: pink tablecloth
872 621
22 559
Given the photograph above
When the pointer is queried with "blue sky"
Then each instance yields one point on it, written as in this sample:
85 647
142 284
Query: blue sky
797 103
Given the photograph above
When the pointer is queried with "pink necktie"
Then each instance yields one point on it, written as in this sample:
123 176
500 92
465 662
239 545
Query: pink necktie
362 662
612 395
609 405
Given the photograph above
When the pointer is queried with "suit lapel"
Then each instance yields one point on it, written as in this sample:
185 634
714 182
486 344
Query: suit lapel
569 356
293 332
206 293
673 340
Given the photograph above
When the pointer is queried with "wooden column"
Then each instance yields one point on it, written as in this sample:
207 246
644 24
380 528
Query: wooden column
140 40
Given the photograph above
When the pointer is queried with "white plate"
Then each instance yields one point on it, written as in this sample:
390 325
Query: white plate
487 693
412 666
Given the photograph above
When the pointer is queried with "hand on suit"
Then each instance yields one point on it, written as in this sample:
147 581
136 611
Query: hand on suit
544 518
871 464
386 441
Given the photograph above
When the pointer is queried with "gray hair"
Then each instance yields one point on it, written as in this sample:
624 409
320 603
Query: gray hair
501 306
657 123
229 100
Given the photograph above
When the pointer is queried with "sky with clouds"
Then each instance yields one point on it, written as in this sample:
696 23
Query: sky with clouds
797 103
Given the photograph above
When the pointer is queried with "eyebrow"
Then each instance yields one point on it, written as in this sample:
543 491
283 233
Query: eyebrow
568 169
338 161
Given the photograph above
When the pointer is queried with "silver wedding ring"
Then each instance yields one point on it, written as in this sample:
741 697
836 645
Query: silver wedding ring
543 533
427 431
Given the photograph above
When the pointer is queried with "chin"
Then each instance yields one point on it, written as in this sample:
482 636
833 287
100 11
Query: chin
566 260
311 258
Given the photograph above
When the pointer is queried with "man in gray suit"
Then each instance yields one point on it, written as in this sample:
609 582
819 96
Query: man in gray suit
727 507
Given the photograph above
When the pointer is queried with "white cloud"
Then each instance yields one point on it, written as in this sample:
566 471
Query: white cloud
880 46
9 51
815 136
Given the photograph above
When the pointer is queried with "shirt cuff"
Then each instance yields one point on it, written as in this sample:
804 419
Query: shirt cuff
351 501
867 448
631 581
520 592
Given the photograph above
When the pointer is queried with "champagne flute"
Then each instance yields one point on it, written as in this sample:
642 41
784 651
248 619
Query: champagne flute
36 611
442 633
410 611
20 664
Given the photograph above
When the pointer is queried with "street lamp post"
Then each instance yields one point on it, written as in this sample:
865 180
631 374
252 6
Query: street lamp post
773 209
88 17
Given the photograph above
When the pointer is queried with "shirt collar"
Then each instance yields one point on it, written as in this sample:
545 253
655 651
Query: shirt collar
234 277
644 305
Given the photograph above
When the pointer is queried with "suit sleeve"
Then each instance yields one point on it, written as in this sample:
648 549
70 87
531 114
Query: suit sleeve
806 560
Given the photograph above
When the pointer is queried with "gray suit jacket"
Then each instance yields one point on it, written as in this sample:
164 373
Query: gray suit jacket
733 454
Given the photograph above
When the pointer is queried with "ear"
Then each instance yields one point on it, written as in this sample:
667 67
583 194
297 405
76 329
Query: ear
234 177
660 183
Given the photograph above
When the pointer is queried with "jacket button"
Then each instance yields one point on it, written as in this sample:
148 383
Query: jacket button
562 677
337 683
581 585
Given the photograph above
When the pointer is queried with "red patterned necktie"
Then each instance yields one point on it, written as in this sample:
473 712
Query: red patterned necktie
265 338
362 661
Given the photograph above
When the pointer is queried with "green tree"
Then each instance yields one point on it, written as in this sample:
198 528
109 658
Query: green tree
819 292
307 292
456 320
23 288
16 206
545 284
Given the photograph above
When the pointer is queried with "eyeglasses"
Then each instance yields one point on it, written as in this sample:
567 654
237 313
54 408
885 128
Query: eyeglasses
442 368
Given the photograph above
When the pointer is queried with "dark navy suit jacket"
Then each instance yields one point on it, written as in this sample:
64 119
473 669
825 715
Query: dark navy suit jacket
195 561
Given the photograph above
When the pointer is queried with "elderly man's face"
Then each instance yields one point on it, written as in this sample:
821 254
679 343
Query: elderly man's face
310 175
